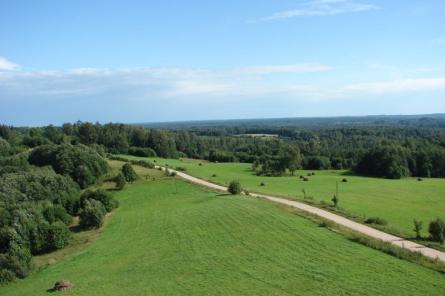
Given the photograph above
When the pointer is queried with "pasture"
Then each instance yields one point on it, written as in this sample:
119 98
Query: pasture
169 237
396 201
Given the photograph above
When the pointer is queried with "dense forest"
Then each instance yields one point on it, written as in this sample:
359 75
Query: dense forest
391 150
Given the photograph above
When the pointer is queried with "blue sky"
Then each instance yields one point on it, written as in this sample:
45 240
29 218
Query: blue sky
141 61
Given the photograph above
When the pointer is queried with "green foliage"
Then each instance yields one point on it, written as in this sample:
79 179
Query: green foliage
437 230
234 187
181 168
48 237
389 162
5 148
335 200
376 220
53 213
129 173
92 214
418 228
120 181
100 195
142 151
83 164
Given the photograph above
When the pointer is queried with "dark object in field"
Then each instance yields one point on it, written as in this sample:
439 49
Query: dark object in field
262 184
62 285
376 220
313 174
214 175
200 164
344 180
301 176
154 160
309 174
419 179
305 179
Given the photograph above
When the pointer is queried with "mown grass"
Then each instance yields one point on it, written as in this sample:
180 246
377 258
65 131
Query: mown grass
396 201
190 241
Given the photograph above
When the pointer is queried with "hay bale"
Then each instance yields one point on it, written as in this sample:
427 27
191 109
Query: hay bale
62 285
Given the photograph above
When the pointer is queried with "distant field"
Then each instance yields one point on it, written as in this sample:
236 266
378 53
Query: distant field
197 242
397 201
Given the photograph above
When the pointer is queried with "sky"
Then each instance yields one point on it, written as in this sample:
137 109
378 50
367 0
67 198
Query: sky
148 61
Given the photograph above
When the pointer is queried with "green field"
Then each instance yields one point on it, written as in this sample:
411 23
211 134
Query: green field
397 201
198 242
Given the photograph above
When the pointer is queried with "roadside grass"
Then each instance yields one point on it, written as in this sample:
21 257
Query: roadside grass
396 201
170 237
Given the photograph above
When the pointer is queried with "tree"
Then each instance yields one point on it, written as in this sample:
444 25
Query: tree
437 230
100 195
129 173
418 228
234 187
120 181
335 200
92 214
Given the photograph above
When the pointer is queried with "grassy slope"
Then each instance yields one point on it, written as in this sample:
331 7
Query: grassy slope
397 201
198 242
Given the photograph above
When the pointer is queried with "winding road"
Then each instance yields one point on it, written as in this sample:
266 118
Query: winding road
366 230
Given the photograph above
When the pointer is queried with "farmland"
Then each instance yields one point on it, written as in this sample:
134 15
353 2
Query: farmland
396 201
170 238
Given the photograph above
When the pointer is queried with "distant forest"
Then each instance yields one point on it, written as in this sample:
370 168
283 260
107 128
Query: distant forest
382 146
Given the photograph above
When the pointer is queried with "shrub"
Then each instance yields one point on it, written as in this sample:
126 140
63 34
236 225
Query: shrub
142 152
437 230
344 180
335 200
120 181
417 228
92 214
234 187
129 173
262 184
181 169
83 164
376 220
214 175
102 196
58 236
56 213
305 179
419 179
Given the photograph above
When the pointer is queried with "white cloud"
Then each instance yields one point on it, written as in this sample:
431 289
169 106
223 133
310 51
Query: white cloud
397 86
294 68
321 8
7 65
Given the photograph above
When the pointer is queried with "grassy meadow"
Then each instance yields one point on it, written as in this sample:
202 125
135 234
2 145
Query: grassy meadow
169 237
397 201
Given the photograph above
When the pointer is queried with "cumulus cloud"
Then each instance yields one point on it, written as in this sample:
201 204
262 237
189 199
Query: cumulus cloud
321 8
7 65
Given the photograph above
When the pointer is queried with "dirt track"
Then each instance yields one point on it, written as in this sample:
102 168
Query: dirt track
366 230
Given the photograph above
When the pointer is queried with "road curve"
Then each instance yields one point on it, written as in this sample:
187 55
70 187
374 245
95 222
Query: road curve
366 230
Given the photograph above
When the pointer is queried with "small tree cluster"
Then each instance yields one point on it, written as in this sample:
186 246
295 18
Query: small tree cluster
437 230
129 173
234 187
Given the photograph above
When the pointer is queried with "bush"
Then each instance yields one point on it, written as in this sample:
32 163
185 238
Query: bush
83 164
120 181
344 180
142 152
305 179
56 213
417 228
48 237
102 196
437 230
376 220
181 169
234 187
129 173
92 214
262 184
